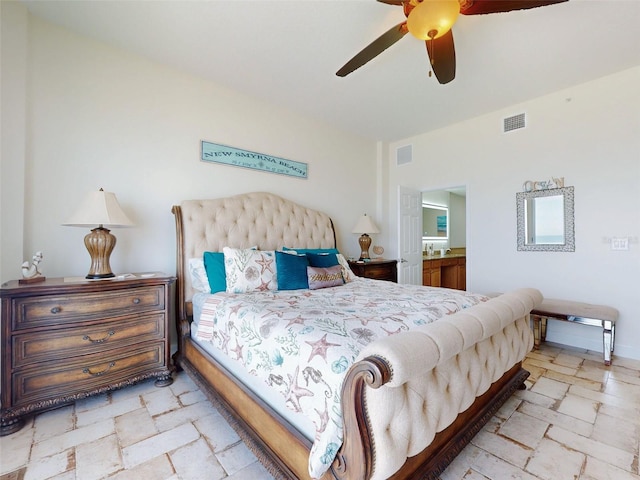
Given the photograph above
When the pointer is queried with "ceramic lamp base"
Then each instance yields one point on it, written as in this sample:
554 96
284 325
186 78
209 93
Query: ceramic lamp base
365 243
100 243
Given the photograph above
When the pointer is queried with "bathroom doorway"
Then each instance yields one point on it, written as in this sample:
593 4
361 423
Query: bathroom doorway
444 237
445 218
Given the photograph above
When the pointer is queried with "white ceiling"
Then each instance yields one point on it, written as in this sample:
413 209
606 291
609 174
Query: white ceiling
287 52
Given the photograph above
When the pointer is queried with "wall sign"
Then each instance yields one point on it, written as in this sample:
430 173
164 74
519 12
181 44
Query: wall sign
212 152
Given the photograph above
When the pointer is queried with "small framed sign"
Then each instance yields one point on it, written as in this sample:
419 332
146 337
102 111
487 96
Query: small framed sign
213 152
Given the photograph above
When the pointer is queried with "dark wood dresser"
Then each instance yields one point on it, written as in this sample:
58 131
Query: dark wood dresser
68 339
377 269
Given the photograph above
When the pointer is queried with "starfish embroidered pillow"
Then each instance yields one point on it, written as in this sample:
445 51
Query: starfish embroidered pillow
248 270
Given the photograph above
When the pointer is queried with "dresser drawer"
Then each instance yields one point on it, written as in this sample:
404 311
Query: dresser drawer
51 345
431 263
70 378
379 272
376 269
448 262
47 310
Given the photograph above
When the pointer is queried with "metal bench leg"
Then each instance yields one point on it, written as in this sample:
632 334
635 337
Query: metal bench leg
536 331
539 330
608 339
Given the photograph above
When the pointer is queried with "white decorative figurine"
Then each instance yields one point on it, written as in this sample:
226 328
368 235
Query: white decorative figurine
30 271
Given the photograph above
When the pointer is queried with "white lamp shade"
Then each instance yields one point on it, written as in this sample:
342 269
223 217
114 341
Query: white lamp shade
99 208
365 225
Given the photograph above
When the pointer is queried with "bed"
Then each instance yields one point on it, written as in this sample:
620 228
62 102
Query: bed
406 402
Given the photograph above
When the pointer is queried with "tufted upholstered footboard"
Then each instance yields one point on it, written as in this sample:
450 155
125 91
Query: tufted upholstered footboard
431 375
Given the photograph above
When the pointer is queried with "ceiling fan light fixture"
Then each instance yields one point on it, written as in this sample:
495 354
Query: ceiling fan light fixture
430 19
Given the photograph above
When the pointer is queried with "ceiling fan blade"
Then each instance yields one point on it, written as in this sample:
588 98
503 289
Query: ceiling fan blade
442 55
480 7
374 49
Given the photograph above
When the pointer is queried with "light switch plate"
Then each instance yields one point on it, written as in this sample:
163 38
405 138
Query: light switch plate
621 243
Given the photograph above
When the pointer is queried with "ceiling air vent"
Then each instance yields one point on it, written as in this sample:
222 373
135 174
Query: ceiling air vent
404 155
514 122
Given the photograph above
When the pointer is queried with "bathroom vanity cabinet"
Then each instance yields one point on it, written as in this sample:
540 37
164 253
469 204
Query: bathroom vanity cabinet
447 271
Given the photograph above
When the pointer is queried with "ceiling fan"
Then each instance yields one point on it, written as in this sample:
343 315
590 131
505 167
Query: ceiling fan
431 21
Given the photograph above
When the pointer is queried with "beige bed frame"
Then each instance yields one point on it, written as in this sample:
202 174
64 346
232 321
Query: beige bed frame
271 222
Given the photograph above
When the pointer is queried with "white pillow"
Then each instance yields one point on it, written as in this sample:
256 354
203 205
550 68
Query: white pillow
347 273
199 280
250 270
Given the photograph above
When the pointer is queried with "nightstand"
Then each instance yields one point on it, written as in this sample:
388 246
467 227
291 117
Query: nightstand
66 339
377 269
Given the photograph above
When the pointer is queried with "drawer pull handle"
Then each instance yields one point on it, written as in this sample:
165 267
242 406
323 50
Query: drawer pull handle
100 340
97 374
55 310
136 301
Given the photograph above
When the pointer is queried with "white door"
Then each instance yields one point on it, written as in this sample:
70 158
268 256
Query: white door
410 236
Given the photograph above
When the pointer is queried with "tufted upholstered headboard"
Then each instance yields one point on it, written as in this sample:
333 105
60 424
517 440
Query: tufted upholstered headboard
257 219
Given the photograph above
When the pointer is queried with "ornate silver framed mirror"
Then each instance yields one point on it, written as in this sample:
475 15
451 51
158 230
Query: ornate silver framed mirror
546 220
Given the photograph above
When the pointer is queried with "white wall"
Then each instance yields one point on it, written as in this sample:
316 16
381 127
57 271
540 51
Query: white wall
13 57
101 117
458 209
590 135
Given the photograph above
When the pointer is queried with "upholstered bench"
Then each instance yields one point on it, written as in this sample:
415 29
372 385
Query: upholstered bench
576 312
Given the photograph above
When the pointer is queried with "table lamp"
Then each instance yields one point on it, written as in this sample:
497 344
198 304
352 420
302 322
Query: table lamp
102 209
365 226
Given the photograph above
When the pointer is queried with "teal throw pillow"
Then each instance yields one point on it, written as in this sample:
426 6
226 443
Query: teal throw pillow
312 250
292 271
323 260
216 274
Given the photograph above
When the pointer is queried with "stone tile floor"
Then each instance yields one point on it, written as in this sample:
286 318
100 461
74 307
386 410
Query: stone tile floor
577 420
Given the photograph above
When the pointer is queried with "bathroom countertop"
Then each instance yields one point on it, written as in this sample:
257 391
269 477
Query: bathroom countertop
437 256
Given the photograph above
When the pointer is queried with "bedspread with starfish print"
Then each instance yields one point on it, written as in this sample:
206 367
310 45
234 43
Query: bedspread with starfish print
302 342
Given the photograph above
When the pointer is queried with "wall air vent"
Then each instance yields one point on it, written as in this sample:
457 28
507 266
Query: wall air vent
514 122
404 155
